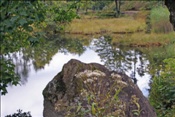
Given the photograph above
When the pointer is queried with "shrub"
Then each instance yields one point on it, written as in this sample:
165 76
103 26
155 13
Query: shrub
162 95
160 20
20 114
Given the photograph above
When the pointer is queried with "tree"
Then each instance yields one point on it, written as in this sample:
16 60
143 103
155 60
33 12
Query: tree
21 27
170 4
84 4
17 21
117 4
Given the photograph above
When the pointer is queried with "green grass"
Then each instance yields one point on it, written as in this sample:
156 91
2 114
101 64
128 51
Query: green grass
143 40
101 26
92 26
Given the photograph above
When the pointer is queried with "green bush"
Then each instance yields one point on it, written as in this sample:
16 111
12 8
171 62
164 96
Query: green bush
160 20
162 95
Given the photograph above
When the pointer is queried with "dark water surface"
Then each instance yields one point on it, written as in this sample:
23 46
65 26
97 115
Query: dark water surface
39 65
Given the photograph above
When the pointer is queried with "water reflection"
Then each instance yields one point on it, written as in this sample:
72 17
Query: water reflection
39 64
41 54
113 58
29 97
120 59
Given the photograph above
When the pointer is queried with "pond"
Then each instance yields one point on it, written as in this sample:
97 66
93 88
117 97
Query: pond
37 66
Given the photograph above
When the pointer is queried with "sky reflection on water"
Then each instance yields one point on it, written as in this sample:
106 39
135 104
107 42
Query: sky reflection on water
29 97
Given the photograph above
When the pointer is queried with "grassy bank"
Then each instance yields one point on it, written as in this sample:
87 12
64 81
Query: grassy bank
101 26
143 40
127 30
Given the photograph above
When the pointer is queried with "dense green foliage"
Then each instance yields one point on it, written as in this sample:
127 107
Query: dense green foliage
58 14
17 19
162 95
160 20
22 25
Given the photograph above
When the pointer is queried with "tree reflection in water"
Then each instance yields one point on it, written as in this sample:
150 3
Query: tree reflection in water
41 54
120 59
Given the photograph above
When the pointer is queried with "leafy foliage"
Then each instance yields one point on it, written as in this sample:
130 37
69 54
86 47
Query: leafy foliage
20 114
17 18
7 71
17 21
162 95
21 27
58 14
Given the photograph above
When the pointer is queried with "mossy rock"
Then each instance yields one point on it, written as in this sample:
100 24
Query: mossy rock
91 90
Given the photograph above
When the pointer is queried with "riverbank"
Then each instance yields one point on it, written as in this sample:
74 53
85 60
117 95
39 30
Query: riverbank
143 40
105 26
128 30
91 25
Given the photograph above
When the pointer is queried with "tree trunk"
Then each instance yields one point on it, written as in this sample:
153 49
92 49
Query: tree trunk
171 6
117 4
77 9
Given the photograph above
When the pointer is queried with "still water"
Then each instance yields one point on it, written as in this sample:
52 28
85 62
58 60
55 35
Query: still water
28 95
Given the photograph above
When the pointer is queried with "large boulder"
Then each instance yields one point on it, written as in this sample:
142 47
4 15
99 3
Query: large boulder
91 90
171 6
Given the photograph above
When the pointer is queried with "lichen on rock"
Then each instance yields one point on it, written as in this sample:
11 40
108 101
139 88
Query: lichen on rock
90 73
91 90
